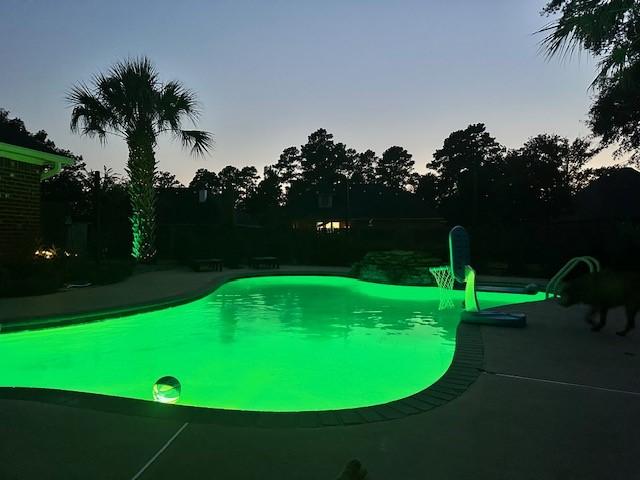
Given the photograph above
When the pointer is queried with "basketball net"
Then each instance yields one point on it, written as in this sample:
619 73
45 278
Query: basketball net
444 280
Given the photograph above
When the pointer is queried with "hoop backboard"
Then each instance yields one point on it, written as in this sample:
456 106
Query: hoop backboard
459 252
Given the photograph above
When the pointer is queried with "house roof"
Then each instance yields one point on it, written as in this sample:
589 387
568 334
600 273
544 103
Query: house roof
51 162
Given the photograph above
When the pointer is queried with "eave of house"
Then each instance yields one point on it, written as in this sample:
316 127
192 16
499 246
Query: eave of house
51 163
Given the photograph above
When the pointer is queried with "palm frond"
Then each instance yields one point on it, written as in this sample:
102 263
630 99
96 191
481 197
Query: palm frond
562 41
111 92
130 87
199 141
174 102
89 115
591 25
129 100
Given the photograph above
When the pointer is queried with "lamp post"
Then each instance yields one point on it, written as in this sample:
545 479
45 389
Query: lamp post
347 181
97 212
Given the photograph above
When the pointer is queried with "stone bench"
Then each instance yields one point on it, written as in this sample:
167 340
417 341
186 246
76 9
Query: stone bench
264 262
204 264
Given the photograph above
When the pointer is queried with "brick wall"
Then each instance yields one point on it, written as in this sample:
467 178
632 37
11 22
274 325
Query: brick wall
19 209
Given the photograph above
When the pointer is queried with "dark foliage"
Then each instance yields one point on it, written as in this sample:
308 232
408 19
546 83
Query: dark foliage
610 31
397 267
469 168
39 277
33 278
539 197
394 169
164 180
13 131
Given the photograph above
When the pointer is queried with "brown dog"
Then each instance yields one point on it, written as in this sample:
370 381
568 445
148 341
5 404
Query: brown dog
603 291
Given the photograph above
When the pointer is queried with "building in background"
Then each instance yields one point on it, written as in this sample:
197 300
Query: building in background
21 171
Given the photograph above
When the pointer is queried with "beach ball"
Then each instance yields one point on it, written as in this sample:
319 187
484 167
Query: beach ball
167 390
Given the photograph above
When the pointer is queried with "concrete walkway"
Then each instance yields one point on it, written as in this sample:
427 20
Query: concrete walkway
138 290
556 402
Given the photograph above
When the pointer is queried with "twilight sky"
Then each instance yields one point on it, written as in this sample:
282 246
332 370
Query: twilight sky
374 73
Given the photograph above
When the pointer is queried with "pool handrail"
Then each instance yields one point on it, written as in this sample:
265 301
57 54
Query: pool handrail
592 263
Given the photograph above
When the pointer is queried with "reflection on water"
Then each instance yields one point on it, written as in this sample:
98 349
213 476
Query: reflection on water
323 310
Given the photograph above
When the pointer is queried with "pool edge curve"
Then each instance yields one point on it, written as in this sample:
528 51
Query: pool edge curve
465 368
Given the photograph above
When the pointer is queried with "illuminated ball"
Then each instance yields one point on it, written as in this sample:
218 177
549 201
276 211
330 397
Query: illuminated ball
167 390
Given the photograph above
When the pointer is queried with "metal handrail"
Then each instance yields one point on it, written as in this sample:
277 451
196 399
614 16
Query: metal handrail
591 262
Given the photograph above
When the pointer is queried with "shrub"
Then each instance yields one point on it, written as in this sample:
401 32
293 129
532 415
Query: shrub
396 267
35 277
39 277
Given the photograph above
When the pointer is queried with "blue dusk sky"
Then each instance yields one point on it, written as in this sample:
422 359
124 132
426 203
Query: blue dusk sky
268 73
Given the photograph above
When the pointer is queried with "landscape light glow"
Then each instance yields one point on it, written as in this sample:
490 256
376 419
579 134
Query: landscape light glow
46 253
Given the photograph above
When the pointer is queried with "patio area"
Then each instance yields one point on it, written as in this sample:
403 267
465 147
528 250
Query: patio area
554 400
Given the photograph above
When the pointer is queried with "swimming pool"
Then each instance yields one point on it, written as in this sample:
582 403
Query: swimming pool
278 344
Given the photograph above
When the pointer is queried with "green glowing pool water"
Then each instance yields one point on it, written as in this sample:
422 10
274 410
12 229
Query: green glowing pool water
286 343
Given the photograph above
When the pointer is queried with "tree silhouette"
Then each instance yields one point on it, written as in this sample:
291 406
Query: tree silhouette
468 165
129 101
394 169
321 160
265 200
288 166
609 30
364 167
544 174
427 190
69 187
236 184
205 180
235 187
615 114
164 180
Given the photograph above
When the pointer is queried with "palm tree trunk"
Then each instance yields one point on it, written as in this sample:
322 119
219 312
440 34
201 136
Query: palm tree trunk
141 169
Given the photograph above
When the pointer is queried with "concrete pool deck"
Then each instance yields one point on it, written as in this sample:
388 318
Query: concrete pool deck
139 290
554 401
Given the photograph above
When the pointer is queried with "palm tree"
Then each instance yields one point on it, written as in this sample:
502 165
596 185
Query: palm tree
130 102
